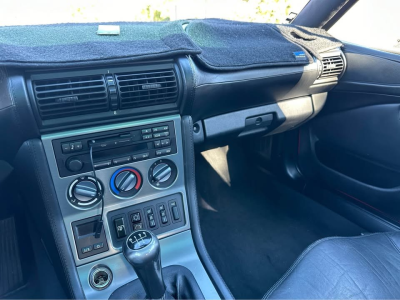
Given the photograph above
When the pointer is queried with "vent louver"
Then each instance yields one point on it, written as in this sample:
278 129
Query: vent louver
66 97
147 88
332 66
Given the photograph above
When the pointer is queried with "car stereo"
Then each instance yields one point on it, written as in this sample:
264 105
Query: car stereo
117 147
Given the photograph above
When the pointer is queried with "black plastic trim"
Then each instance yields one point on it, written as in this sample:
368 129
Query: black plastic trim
190 183
37 191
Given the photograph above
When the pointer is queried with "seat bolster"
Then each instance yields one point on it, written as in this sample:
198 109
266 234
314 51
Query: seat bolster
362 267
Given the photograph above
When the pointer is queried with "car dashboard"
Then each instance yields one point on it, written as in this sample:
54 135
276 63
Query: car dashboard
113 138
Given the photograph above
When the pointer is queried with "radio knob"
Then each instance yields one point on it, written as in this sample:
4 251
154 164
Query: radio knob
85 191
74 164
125 181
162 172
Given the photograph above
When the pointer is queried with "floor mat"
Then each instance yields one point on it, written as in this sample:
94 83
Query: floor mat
10 265
253 227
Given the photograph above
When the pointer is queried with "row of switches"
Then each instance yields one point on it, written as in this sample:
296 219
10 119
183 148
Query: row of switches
136 219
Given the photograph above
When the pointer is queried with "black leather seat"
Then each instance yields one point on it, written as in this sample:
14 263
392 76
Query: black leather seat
363 267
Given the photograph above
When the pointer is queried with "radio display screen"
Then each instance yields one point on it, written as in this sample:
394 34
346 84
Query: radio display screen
118 152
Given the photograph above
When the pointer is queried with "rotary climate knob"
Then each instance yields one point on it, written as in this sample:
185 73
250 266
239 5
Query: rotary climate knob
162 173
126 182
84 192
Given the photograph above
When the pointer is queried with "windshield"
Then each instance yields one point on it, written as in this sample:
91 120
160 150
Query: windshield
31 12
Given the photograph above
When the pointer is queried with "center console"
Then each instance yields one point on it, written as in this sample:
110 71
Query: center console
138 184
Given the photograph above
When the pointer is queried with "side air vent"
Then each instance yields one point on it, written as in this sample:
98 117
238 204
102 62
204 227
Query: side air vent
332 66
147 88
66 97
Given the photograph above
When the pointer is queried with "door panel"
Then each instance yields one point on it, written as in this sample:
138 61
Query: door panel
353 146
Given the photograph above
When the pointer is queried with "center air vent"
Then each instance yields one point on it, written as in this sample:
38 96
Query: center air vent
332 66
66 97
147 88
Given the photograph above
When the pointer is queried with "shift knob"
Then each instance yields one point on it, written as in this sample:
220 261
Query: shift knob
142 250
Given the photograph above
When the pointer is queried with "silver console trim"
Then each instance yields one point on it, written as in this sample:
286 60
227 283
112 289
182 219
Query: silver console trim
175 250
147 193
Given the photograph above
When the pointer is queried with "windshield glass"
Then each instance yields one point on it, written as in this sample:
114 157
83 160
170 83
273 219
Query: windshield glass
31 12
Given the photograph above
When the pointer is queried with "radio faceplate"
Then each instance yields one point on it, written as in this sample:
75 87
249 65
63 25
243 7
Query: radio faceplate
115 148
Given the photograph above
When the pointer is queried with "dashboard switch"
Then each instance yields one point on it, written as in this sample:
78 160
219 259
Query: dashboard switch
135 217
137 226
87 249
98 246
175 211
120 227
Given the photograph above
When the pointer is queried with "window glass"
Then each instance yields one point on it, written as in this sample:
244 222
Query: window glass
28 12
371 23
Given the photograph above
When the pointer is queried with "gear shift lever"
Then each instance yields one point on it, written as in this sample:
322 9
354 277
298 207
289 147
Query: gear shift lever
142 251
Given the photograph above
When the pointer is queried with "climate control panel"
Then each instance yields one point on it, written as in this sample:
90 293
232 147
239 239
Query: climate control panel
85 191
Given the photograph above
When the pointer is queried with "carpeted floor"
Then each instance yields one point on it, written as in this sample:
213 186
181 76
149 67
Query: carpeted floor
254 227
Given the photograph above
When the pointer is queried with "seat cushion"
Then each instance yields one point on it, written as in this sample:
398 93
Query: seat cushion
363 267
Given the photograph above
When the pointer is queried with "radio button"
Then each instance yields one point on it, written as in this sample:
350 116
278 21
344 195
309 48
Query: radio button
161 134
145 155
137 157
160 128
66 148
157 144
147 136
78 146
163 151
102 164
165 143
145 131
122 160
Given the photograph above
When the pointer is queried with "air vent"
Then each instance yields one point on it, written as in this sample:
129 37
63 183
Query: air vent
332 66
147 88
66 97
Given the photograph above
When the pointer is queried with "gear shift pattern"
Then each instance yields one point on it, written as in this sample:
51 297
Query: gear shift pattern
142 251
